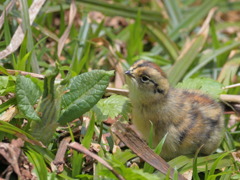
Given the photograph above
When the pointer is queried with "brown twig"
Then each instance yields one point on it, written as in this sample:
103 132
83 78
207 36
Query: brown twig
59 158
14 72
78 147
230 98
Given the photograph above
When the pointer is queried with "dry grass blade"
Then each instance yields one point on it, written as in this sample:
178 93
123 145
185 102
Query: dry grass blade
72 14
9 114
6 11
138 146
78 147
19 34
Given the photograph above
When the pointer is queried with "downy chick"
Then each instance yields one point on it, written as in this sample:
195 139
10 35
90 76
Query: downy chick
190 118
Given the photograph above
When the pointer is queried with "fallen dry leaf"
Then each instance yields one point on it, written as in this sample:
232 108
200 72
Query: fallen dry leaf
9 114
12 157
18 36
72 14
236 156
125 133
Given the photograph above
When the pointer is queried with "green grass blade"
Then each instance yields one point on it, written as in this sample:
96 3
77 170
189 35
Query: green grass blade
120 10
214 166
27 29
38 163
86 142
135 40
185 60
195 169
210 56
174 11
80 45
147 167
7 32
192 19
170 47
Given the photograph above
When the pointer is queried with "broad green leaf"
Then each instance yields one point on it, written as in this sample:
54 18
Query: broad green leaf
112 107
27 94
84 91
206 85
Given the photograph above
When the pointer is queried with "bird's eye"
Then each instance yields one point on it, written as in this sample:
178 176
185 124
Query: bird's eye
144 78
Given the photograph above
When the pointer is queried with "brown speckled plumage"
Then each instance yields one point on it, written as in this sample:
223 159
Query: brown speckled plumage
190 118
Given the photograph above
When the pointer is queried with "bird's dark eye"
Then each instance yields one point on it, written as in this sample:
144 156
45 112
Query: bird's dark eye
144 78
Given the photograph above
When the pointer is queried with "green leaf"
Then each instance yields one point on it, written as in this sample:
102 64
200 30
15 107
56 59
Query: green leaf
165 42
77 160
186 58
81 48
3 83
193 18
135 40
27 94
116 9
84 91
127 173
214 166
3 70
48 109
174 11
123 156
112 107
206 85
147 167
39 164
195 170
7 104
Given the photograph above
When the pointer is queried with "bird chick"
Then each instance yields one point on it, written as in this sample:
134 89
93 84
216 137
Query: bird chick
190 118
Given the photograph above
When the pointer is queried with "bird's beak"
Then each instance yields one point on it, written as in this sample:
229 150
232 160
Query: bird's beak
129 73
